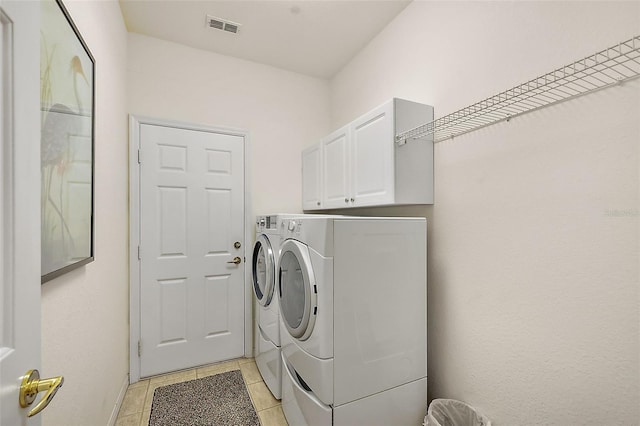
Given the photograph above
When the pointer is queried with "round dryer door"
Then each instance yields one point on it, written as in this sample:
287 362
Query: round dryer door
264 270
297 289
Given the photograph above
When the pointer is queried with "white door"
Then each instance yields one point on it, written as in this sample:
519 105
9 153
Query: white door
20 213
372 159
336 169
191 248
312 178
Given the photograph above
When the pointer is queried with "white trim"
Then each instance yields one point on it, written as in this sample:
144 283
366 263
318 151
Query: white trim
249 235
119 400
134 241
135 122
248 300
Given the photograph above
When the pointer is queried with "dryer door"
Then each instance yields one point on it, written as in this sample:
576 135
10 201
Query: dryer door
297 289
263 265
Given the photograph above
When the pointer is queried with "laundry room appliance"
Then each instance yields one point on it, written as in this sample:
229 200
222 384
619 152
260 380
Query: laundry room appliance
352 293
267 330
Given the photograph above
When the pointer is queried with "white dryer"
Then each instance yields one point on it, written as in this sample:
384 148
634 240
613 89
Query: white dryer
352 293
267 330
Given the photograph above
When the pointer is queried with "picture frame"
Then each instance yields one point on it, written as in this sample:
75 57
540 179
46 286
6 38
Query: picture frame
67 101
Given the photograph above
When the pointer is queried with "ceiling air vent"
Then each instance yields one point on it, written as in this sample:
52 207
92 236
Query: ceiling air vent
222 24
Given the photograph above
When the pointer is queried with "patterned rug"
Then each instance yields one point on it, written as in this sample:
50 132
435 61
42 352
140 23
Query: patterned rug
222 399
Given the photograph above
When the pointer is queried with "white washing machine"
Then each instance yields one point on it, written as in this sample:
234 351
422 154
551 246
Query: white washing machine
267 330
352 294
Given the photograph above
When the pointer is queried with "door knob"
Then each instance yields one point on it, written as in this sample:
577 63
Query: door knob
236 260
32 385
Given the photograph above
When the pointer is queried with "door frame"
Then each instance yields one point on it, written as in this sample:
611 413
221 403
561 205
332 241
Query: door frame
135 121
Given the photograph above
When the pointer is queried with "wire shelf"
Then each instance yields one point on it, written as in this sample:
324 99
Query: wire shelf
606 68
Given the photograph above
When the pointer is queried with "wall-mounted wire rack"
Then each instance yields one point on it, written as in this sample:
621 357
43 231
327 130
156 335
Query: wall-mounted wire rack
606 68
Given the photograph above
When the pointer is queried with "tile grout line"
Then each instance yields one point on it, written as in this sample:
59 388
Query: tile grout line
150 390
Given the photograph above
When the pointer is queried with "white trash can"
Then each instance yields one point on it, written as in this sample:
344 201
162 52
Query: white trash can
449 412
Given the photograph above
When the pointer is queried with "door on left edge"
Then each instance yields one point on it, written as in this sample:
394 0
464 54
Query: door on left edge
20 215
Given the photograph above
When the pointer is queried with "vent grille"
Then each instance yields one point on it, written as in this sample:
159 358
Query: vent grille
213 23
222 24
232 28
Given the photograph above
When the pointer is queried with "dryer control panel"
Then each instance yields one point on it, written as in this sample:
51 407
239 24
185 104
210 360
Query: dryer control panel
266 222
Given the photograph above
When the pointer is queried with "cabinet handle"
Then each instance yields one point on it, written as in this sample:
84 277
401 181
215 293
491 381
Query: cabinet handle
346 200
318 203
353 199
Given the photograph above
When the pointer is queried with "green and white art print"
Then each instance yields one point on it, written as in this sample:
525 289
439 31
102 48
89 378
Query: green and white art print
66 142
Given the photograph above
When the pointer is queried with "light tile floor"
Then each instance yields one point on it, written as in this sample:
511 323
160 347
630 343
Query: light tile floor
136 406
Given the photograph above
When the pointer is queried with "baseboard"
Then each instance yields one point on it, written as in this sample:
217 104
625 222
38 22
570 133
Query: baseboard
116 408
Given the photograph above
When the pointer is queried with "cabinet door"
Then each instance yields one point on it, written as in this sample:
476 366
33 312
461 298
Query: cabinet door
335 169
312 178
372 158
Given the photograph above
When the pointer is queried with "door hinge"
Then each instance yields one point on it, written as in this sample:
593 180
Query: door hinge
139 157
139 348
139 258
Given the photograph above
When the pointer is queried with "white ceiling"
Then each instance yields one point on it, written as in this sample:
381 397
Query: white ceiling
312 37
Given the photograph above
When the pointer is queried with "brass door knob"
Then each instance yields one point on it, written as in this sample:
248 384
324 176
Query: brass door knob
236 260
32 385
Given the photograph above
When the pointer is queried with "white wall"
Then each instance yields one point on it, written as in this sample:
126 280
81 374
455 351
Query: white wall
85 312
283 111
534 234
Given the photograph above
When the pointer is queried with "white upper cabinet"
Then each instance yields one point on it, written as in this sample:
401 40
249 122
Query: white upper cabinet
312 178
372 180
361 165
335 169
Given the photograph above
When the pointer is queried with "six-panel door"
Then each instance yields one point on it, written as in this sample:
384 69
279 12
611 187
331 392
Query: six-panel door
191 214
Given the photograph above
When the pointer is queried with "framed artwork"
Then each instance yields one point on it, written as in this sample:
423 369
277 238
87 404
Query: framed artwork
67 90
